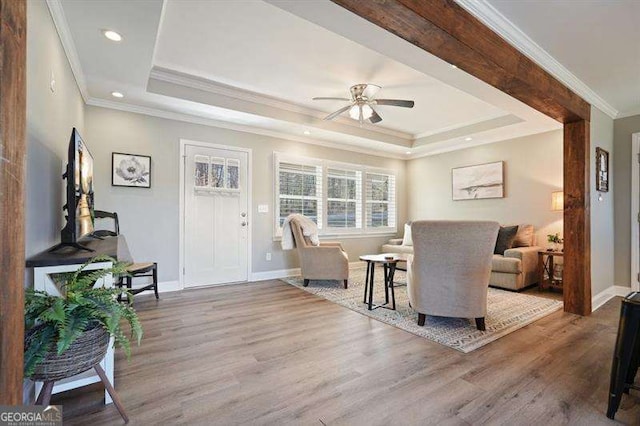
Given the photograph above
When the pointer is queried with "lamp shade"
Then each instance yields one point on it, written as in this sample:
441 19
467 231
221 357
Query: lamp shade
557 201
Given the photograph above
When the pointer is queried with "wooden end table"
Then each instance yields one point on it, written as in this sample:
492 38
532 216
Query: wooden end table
388 262
546 279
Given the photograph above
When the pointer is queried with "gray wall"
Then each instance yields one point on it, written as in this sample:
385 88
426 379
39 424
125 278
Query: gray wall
602 229
150 217
533 169
50 118
623 129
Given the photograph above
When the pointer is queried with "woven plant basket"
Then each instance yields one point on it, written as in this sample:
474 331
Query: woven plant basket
87 351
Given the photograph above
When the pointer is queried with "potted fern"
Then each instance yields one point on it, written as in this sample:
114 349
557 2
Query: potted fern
66 335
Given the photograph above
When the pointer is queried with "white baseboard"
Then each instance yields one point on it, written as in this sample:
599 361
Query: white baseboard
169 286
274 275
607 294
284 273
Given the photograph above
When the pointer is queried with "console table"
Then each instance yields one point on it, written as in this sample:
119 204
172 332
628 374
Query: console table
47 264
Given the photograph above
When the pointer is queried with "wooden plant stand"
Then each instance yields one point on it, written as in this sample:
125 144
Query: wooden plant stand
44 398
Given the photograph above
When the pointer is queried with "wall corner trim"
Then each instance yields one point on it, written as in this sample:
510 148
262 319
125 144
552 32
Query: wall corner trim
607 294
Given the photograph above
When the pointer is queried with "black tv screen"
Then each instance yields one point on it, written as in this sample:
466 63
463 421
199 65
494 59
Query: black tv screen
80 198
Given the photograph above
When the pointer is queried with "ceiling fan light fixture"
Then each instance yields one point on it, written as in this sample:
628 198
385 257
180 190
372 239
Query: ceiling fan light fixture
354 112
367 112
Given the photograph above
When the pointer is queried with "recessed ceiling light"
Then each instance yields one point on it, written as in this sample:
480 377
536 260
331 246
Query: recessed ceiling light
117 95
468 139
306 132
408 152
112 35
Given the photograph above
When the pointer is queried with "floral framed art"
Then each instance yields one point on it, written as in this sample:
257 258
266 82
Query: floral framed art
130 170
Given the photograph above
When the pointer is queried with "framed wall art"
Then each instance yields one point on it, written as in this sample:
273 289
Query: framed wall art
602 170
478 182
130 170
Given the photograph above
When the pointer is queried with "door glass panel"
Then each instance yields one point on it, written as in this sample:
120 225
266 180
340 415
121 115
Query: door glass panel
217 172
233 173
201 171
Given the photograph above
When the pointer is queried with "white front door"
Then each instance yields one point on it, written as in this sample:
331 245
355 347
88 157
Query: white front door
215 216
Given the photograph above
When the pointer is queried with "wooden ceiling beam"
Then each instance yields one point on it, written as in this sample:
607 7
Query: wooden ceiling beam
446 30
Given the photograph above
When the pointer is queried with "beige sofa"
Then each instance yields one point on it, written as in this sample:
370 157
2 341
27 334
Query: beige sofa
515 270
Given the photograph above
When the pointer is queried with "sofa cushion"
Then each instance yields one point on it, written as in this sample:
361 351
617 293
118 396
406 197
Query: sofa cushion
506 264
506 235
524 236
392 248
407 240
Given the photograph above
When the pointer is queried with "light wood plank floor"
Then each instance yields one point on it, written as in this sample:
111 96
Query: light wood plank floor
268 353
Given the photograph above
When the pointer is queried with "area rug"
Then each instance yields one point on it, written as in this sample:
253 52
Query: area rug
506 311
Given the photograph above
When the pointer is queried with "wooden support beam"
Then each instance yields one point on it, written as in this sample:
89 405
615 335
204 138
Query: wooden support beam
446 30
13 95
577 220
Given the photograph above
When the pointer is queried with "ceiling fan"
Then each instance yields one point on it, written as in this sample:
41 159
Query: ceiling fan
362 102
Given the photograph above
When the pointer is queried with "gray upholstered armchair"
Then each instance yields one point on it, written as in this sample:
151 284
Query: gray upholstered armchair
449 272
328 261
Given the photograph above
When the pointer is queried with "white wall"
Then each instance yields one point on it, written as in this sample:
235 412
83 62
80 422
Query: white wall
621 179
532 170
602 223
50 118
150 217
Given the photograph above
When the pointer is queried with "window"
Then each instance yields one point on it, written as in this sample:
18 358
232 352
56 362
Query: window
344 195
300 191
381 200
341 198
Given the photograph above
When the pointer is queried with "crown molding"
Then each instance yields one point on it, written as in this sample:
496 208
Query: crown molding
194 82
193 119
492 18
62 27
630 113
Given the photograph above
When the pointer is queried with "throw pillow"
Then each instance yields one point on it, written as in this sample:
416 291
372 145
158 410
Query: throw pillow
506 235
524 237
407 240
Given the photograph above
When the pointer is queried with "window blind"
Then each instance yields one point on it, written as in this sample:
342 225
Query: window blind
344 198
380 196
300 191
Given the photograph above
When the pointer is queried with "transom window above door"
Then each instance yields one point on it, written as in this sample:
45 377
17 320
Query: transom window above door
341 198
216 173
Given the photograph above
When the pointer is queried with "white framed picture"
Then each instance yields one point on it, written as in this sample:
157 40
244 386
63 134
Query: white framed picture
478 182
130 170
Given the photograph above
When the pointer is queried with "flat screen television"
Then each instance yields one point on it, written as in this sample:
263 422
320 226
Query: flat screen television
79 189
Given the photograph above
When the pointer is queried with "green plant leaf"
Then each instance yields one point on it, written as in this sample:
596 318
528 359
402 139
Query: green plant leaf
61 320
35 352
73 328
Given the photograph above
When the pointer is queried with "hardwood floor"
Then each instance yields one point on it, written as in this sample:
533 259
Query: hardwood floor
269 353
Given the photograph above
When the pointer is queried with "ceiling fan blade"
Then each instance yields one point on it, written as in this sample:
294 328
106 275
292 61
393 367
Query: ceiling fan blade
337 113
321 98
395 102
375 117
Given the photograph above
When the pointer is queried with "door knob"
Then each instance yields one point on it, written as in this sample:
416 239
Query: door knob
244 223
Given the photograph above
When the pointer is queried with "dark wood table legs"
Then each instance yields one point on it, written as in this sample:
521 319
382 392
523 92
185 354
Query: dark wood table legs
389 272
